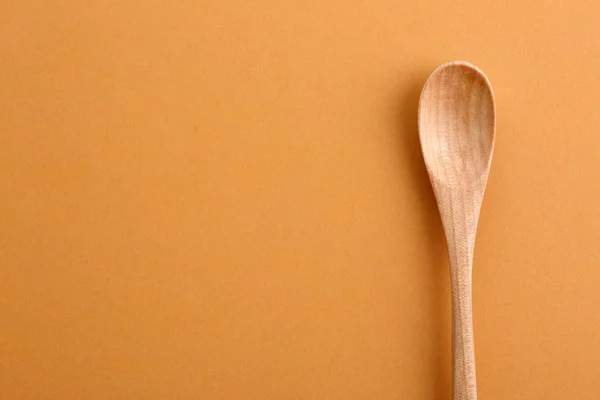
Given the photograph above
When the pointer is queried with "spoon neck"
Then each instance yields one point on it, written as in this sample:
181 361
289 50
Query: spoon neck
460 210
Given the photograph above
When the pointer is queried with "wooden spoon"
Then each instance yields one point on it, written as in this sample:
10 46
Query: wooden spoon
457 130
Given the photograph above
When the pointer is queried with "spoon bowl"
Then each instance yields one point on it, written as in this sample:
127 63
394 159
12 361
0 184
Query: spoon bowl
456 121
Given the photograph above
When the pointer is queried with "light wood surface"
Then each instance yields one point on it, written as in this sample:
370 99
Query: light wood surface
457 131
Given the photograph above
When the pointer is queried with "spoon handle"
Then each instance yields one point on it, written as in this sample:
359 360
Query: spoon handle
464 385
460 227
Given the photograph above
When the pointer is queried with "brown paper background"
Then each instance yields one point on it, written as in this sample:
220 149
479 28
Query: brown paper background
227 200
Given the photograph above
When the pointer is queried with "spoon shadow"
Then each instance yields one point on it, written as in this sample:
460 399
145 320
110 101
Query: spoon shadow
411 157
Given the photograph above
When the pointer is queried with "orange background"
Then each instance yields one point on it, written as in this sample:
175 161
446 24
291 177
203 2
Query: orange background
226 199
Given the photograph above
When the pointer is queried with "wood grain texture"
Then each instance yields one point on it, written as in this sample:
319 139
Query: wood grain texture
457 131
